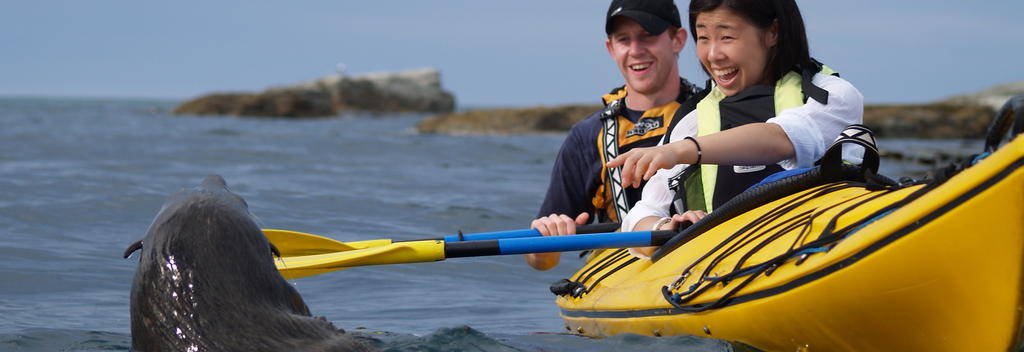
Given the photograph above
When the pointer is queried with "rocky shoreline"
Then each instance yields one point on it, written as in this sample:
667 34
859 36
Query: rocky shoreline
961 117
408 91
928 121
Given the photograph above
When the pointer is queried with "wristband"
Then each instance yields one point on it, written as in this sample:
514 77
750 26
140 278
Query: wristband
698 148
662 221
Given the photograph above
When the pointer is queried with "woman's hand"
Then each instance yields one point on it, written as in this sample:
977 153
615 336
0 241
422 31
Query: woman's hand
553 225
689 218
639 164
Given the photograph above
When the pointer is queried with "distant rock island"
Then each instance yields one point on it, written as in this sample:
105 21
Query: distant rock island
964 116
407 91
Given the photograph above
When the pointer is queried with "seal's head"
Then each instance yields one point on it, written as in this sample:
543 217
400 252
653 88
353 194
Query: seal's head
206 281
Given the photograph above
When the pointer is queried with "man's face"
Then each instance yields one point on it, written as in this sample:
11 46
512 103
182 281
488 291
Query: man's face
647 62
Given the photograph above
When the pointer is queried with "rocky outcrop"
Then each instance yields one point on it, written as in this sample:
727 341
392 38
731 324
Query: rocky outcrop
409 91
508 121
290 104
928 121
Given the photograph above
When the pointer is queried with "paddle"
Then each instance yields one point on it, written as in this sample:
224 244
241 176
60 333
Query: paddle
438 249
292 243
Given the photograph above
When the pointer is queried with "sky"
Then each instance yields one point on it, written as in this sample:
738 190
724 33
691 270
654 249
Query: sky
489 53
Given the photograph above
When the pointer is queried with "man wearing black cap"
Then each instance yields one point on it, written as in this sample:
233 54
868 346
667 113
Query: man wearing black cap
644 39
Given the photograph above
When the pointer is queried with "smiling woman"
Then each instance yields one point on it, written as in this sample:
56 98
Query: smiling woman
768 106
748 33
733 51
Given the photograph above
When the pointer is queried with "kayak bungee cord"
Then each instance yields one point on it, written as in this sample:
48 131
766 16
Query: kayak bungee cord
756 223
824 242
617 255
753 231
576 287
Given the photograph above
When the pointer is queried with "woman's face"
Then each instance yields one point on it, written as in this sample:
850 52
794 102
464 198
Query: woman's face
733 50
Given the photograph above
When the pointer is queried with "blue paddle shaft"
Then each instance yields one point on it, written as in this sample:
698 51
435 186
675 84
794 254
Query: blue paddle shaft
575 243
525 245
592 228
492 235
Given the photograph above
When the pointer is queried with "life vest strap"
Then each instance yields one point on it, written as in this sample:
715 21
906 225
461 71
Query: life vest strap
610 144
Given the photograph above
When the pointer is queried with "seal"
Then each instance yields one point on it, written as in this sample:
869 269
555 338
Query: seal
206 281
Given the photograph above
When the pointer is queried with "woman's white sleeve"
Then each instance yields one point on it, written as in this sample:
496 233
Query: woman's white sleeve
812 127
655 199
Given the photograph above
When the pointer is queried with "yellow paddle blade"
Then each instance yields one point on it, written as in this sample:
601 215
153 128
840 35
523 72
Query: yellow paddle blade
292 267
292 243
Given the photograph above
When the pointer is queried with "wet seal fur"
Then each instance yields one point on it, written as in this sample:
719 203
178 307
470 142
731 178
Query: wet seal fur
206 281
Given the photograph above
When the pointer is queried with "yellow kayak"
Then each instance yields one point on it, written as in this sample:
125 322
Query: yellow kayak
842 266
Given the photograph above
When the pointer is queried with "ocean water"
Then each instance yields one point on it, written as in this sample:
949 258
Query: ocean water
80 180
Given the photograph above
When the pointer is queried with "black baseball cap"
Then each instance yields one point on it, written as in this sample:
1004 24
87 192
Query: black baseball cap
654 15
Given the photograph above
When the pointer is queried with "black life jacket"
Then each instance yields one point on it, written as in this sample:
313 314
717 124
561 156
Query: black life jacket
697 184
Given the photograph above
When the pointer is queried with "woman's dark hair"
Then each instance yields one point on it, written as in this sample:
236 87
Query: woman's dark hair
790 52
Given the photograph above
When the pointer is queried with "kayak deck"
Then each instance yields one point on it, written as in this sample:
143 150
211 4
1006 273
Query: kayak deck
942 270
